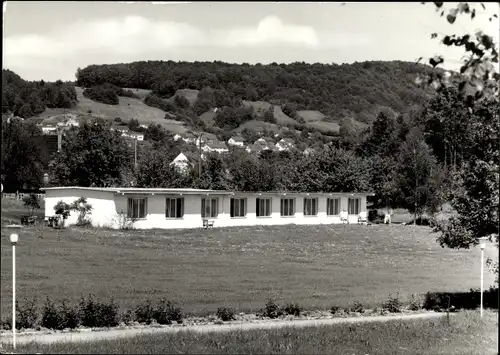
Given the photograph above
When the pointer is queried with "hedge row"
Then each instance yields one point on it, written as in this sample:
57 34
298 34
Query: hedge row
92 313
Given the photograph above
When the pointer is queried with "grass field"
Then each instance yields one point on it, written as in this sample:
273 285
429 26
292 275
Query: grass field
467 334
316 266
127 109
310 115
323 126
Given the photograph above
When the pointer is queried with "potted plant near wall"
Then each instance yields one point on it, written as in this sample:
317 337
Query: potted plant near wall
62 210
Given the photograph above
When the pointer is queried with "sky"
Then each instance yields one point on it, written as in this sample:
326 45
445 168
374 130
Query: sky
49 40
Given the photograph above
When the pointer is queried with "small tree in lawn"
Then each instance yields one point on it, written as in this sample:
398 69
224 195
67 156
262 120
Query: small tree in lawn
83 208
62 210
31 203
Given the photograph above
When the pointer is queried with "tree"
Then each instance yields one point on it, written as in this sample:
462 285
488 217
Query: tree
22 158
214 174
475 198
31 202
155 170
415 175
134 125
155 132
92 155
382 139
83 208
478 76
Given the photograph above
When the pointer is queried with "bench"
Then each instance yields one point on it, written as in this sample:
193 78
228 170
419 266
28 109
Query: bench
208 224
52 221
28 220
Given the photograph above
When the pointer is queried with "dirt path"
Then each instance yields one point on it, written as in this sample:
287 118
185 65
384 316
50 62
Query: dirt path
122 333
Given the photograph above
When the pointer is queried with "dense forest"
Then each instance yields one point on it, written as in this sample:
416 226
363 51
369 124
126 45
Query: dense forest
358 90
30 98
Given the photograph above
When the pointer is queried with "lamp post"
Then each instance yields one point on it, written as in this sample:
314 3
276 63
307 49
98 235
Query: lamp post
14 237
482 245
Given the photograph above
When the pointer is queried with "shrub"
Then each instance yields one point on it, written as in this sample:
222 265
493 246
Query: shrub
293 309
62 209
358 307
51 318
181 101
225 313
335 310
6 324
128 93
117 120
98 314
26 315
393 304
84 209
272 309
31 203
165 313
144 313
155 101
415 303
102 94
127 317
70 316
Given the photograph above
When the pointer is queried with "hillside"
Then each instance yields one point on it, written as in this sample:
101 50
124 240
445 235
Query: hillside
127 109
356 90
221 98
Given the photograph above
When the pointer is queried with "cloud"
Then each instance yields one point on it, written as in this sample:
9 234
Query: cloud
124 39
133 34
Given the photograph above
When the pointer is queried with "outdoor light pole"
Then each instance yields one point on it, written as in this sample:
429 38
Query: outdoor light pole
482 245
13 240
416 187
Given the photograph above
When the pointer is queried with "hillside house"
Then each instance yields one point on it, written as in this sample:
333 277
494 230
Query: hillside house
187 137
125 132
146 208
206 138
237 141
184 161
49 129
265 140
254 149
285 144
218 147
309 151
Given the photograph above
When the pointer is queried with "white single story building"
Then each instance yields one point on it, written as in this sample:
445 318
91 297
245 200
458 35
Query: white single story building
145 208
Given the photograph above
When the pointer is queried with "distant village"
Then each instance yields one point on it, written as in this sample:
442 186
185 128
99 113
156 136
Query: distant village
202 143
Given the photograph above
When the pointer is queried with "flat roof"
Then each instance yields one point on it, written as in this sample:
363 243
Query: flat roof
135 190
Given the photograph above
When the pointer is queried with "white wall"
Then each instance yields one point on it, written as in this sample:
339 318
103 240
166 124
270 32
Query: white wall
108 205
102 202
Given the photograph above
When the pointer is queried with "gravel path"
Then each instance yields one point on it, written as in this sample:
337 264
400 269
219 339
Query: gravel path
129 332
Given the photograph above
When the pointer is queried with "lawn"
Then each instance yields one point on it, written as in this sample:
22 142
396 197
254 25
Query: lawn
466 334
316 266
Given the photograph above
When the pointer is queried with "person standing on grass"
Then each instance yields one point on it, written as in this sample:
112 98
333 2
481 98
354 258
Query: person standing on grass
387 217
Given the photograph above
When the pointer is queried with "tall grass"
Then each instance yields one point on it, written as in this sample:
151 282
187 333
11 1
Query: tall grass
466 334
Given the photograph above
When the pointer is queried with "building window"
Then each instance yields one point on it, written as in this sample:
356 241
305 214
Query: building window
209 207
354 206
136 208
238 207
263 207
310 206
333 206
287 206
174 207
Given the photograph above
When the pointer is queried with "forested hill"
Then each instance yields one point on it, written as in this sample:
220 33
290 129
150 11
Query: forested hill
358 90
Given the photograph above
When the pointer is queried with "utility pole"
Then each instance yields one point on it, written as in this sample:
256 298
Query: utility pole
135 153
199 155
